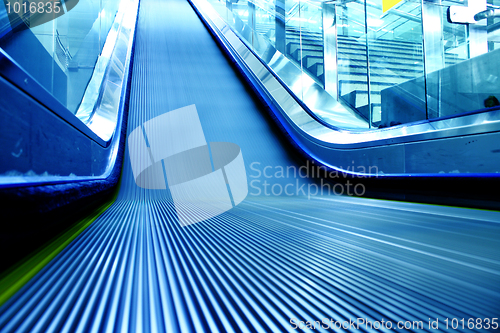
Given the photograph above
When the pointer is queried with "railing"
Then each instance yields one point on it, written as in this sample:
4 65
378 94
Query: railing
77 34
44 71
405 64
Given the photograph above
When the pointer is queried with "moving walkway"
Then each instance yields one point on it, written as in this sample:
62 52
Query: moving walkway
274 261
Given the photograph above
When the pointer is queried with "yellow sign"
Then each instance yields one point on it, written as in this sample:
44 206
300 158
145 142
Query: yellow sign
388 4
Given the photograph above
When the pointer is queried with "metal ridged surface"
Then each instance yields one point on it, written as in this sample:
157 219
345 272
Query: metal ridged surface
270 258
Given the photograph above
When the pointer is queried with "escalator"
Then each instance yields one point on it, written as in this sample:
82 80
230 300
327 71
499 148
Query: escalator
292 255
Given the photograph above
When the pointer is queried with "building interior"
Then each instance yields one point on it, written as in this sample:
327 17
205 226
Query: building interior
250 165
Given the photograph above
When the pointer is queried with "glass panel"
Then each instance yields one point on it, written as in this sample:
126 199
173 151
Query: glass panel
493 27
220 7
455 40
241 9
403 65
108 13
240 12
396 66
292 26
351 55
470 77
62 52
293 47
311 38
265 20
79 32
